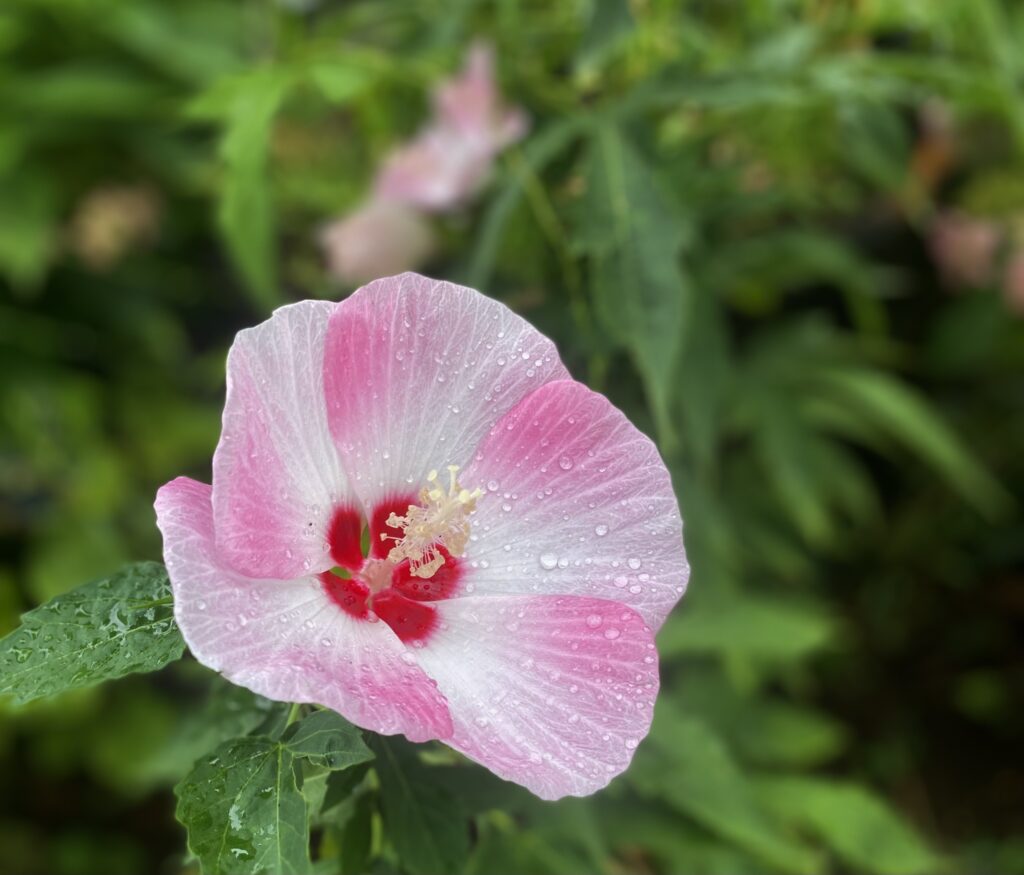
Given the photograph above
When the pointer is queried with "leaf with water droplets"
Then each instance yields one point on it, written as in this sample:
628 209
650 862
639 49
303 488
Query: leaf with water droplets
327 739
102 630
243 809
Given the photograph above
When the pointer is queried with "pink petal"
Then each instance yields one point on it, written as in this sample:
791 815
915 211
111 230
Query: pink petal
277 479
552 693
449 159
379 238
471 104
417 372
578 503
964 248
288 640
438 170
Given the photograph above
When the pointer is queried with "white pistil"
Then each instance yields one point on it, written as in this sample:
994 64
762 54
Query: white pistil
439 520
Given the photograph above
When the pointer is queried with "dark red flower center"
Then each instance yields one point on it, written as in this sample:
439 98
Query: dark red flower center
363 583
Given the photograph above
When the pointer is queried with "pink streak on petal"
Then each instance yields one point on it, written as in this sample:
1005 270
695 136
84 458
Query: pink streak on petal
552 693
594 512
416 372
288 640
277 477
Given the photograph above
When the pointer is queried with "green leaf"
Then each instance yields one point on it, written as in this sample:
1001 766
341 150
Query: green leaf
243 809
748 625
341 80
703 377
355 836
637 828
229 711
28 227
327 739
102 630
761 728
424 822
901 412
861 828
541 149
690 769
634 240
247 106
341 785
608 25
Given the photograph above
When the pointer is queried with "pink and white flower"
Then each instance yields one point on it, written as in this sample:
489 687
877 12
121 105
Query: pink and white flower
450 158
379 238
965 248
506 606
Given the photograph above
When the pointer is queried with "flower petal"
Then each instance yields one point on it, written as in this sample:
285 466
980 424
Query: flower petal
552 693
378 238
417 371
578 503
288 640
277 478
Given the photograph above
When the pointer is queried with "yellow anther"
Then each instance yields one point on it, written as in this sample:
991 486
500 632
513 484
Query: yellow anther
441 519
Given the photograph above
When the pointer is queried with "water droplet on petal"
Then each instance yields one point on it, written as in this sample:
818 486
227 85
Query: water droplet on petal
565 463
601 530
548 561
594 620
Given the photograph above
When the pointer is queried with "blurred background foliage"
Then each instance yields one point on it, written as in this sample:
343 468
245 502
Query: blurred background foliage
783 235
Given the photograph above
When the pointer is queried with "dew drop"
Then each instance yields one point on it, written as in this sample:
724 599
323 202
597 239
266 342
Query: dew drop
601 530
548 561
565 463
594 620
611 633
633 563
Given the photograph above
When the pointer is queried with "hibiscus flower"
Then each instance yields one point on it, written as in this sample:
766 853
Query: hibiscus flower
418 519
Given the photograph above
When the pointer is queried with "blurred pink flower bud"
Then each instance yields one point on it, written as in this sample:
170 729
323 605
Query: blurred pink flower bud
380 238
1013 283
450 158
964 248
